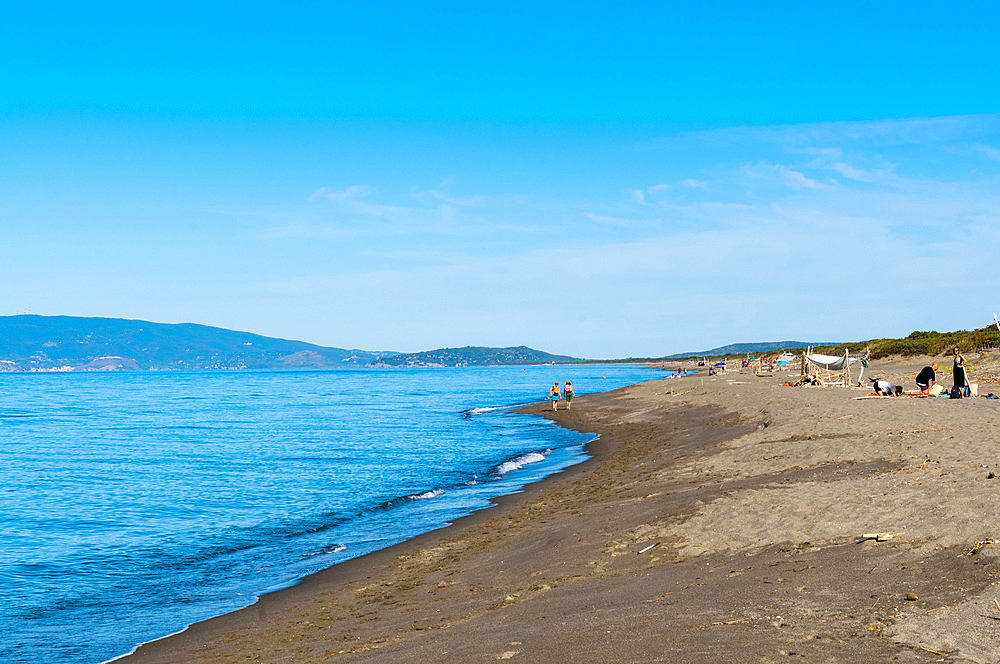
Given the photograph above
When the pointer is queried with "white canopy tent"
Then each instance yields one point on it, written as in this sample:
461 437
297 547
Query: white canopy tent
827 370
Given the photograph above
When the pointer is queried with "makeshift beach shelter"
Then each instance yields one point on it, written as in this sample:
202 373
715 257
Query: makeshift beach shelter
826 370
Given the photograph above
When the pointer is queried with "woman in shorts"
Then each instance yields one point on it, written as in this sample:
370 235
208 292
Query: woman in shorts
554 395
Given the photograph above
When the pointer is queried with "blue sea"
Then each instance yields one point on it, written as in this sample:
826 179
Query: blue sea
134 504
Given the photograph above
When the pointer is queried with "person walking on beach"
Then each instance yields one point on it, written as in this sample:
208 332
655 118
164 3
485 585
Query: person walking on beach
554 395
568 395
958 375
926 378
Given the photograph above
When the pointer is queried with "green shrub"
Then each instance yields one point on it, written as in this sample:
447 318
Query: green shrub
923 343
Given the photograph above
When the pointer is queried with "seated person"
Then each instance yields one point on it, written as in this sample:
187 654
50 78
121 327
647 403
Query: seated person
927 377
885 388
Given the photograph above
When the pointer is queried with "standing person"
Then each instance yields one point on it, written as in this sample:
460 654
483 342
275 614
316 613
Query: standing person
554 395
958 376
927 377
568 395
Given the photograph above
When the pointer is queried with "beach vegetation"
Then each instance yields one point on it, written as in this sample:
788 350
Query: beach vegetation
917 343
920 343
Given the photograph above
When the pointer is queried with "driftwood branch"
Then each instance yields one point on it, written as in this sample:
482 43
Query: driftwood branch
975 548
879 537
936 652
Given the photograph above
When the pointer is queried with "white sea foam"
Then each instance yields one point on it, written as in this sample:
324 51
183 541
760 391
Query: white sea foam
485 409
521 462
429 494
336 548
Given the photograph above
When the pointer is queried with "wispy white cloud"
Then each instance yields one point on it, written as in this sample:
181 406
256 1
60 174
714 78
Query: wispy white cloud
642 195
458 201
828 154
351 193
443 193
835 160
990 152
657 193
781 174
356 202
859 175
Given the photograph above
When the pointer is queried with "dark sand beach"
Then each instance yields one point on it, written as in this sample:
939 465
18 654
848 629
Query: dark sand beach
722 518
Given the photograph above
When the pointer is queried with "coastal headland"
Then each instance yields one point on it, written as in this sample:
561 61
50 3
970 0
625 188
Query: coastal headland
721 518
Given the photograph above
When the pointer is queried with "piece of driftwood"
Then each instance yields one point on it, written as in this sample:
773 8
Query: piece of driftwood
975 548
651 546
936 652
879 537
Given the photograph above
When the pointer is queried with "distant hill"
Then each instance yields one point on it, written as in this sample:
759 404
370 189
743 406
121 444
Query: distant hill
743 349
30 342
472 356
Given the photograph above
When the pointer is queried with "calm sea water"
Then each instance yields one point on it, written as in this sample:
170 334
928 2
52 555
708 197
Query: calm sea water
134 504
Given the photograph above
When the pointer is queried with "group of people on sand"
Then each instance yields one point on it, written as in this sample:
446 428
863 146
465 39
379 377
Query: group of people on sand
927 379
567 393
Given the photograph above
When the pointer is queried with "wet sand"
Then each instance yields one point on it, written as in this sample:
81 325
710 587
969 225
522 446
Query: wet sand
721 519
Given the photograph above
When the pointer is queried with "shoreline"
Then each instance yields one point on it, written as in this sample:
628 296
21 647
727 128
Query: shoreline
717 518
367 563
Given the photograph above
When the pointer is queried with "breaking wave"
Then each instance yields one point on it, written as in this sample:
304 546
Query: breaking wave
520 462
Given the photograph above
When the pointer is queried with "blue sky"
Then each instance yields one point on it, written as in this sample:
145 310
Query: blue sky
581 178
